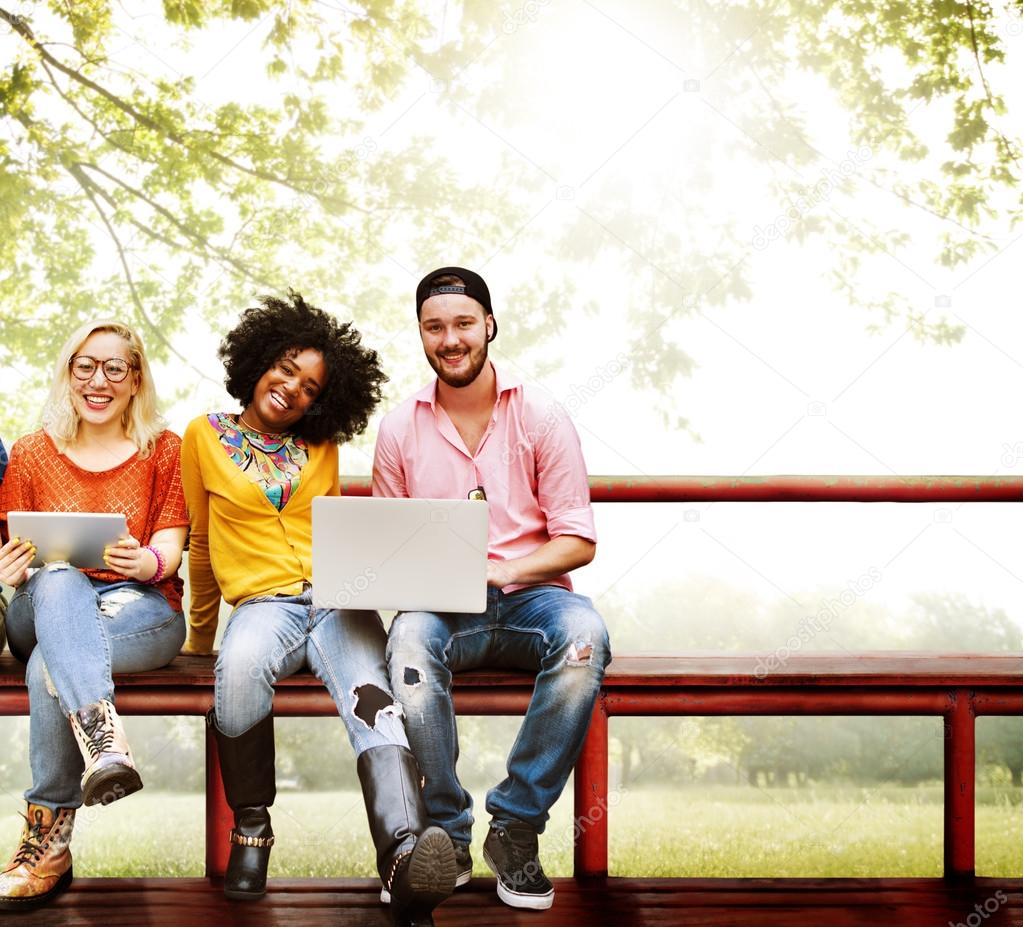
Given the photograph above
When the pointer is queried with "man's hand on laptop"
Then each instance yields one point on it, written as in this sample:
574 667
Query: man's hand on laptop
499 573
558 556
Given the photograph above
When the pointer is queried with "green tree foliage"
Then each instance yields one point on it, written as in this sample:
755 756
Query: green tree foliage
125 191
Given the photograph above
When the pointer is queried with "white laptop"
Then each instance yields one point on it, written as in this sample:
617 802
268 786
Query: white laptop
77 537
402 554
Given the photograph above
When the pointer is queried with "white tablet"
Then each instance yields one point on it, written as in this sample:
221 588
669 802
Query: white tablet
77 537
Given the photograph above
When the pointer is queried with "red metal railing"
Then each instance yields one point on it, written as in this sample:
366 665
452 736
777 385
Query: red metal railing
786 488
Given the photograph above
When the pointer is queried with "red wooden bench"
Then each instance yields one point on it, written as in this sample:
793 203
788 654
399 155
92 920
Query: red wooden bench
956 687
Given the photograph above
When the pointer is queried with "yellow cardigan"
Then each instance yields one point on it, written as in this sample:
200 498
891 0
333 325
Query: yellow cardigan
256 549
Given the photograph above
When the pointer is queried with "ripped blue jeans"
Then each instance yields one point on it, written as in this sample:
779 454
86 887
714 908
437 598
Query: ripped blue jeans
272 637
544 629
75 633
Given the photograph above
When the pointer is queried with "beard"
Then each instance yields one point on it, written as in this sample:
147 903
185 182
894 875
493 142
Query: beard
477 360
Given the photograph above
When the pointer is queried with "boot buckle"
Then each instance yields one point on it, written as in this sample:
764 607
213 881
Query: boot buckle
244 841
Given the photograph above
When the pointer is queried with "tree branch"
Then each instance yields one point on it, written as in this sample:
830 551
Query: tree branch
865 175
984 83
18 24
109 139
208 248
87 187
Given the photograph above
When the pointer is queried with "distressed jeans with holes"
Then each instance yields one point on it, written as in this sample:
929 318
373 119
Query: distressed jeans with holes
272 637
75 633
545 629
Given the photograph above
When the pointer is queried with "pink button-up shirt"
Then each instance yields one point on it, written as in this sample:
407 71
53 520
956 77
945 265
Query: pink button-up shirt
529 463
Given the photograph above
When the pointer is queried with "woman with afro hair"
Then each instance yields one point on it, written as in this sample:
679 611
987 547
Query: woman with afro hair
305 384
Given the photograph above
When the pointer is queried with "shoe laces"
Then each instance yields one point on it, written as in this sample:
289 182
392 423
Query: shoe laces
99 732
396 864
523 853
33 842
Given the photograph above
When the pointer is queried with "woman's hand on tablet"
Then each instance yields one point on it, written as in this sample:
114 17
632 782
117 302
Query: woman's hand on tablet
15 556
130 559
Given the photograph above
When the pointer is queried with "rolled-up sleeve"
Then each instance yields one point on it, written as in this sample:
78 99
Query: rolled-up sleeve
563 488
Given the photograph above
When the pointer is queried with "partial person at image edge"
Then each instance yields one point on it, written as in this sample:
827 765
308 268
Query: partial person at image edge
3 600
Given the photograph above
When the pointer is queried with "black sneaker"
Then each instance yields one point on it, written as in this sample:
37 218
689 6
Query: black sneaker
463 864
463 868
511 851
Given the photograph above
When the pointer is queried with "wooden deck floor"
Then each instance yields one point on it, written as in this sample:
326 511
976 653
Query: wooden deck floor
615 903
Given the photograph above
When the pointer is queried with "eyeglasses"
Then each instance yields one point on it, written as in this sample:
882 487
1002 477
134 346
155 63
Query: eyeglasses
84 367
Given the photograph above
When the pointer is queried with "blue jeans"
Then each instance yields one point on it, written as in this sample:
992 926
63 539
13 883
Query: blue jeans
75 633
271 637
546 629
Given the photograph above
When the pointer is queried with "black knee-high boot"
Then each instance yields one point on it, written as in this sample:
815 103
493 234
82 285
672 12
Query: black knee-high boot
247 768
416 862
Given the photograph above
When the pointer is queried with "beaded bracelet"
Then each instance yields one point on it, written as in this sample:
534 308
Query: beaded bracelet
161 566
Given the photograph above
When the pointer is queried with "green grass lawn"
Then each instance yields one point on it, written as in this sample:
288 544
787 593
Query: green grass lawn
710 831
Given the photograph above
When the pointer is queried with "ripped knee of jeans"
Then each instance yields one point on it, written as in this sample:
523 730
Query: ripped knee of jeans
110 605
55 566
580 653
412 676
372 703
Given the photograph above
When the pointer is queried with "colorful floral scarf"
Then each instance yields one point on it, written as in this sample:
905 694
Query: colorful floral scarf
275 462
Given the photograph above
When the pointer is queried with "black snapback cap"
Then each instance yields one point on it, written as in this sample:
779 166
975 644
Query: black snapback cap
475 288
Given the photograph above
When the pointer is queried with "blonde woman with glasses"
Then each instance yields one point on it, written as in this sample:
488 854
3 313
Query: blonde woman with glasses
102 448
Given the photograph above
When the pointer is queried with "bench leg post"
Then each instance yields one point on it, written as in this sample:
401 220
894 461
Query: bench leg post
960 785
219 818
591 808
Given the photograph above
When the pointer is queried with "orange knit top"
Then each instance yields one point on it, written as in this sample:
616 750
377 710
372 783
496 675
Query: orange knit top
40 479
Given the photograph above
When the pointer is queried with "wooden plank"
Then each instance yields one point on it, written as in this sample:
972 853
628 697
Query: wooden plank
612 902
870 668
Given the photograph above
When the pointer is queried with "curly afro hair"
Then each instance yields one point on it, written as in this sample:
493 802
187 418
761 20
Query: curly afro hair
278 328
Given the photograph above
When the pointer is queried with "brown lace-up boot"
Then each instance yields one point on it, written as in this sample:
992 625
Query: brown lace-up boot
110 771
41 867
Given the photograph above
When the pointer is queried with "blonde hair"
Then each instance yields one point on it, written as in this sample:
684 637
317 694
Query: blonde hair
141 421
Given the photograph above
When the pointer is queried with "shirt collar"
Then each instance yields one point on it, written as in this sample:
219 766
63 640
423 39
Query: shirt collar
505 382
